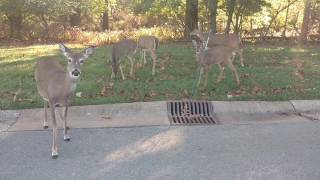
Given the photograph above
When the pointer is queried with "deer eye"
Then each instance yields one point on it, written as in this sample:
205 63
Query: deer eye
69 60
81 61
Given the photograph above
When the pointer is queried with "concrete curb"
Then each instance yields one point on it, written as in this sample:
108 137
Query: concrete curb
96 116
306 105
7 119
252 107
155 114
309 109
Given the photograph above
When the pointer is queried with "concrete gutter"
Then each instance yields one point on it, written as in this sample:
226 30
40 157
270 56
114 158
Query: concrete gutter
252 112
155 114
99 116
7 119
251 107
309 109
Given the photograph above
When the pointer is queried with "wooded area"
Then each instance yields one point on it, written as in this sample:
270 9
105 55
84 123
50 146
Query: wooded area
107 21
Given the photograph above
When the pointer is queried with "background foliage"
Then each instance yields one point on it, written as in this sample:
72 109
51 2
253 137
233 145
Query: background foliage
76 20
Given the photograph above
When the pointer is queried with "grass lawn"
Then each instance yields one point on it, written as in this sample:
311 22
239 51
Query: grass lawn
271 73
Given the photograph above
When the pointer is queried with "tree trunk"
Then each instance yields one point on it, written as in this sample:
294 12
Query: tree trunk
237 24
15 23
191 17
240 26
286 20
230 9
213 4
75 19
105 18
45 23
266 31
305 22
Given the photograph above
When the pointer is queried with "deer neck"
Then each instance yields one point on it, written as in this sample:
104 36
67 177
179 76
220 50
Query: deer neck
70 84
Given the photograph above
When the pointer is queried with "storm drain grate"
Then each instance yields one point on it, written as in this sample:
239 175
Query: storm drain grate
190 112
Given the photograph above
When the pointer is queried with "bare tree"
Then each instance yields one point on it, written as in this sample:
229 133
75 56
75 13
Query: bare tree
213 5
15 22
278 11
230 9
286 19
305 21
75 18
191 17
105 18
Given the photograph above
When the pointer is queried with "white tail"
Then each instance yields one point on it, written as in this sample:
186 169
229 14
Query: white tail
124 48
56 86
149 44
231 40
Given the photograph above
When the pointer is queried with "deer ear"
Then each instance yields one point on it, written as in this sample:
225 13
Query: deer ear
88 52
65 50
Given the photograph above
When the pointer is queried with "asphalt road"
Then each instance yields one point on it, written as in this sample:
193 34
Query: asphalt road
260 151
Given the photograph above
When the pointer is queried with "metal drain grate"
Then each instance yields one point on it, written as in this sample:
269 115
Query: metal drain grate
190 112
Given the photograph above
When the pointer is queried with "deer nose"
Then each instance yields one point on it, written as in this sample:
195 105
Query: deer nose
76 72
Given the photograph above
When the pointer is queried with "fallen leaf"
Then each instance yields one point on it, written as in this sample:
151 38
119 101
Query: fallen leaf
185 93
79 94
107 90
106 117
122 92
153 93
244 76
257 89
135 95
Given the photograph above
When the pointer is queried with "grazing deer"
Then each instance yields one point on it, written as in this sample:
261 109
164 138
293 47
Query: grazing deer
230 40
149 44
57 86
124 48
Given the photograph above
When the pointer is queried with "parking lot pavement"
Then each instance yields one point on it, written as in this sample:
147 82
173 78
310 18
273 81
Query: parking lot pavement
257 151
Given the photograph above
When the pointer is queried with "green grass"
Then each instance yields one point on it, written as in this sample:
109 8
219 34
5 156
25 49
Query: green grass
270 74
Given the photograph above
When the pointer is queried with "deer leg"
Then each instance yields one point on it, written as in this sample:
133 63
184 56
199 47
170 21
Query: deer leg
234 53
66 137
54 149
112 74
200 74
141 60
206 76
61 116
154 59
121 70
234 70
241 57
131 61
45 122
221 67
144 58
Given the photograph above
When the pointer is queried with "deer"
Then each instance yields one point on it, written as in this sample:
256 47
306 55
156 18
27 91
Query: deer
148 44
124 48
56 85
221 55
230 40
